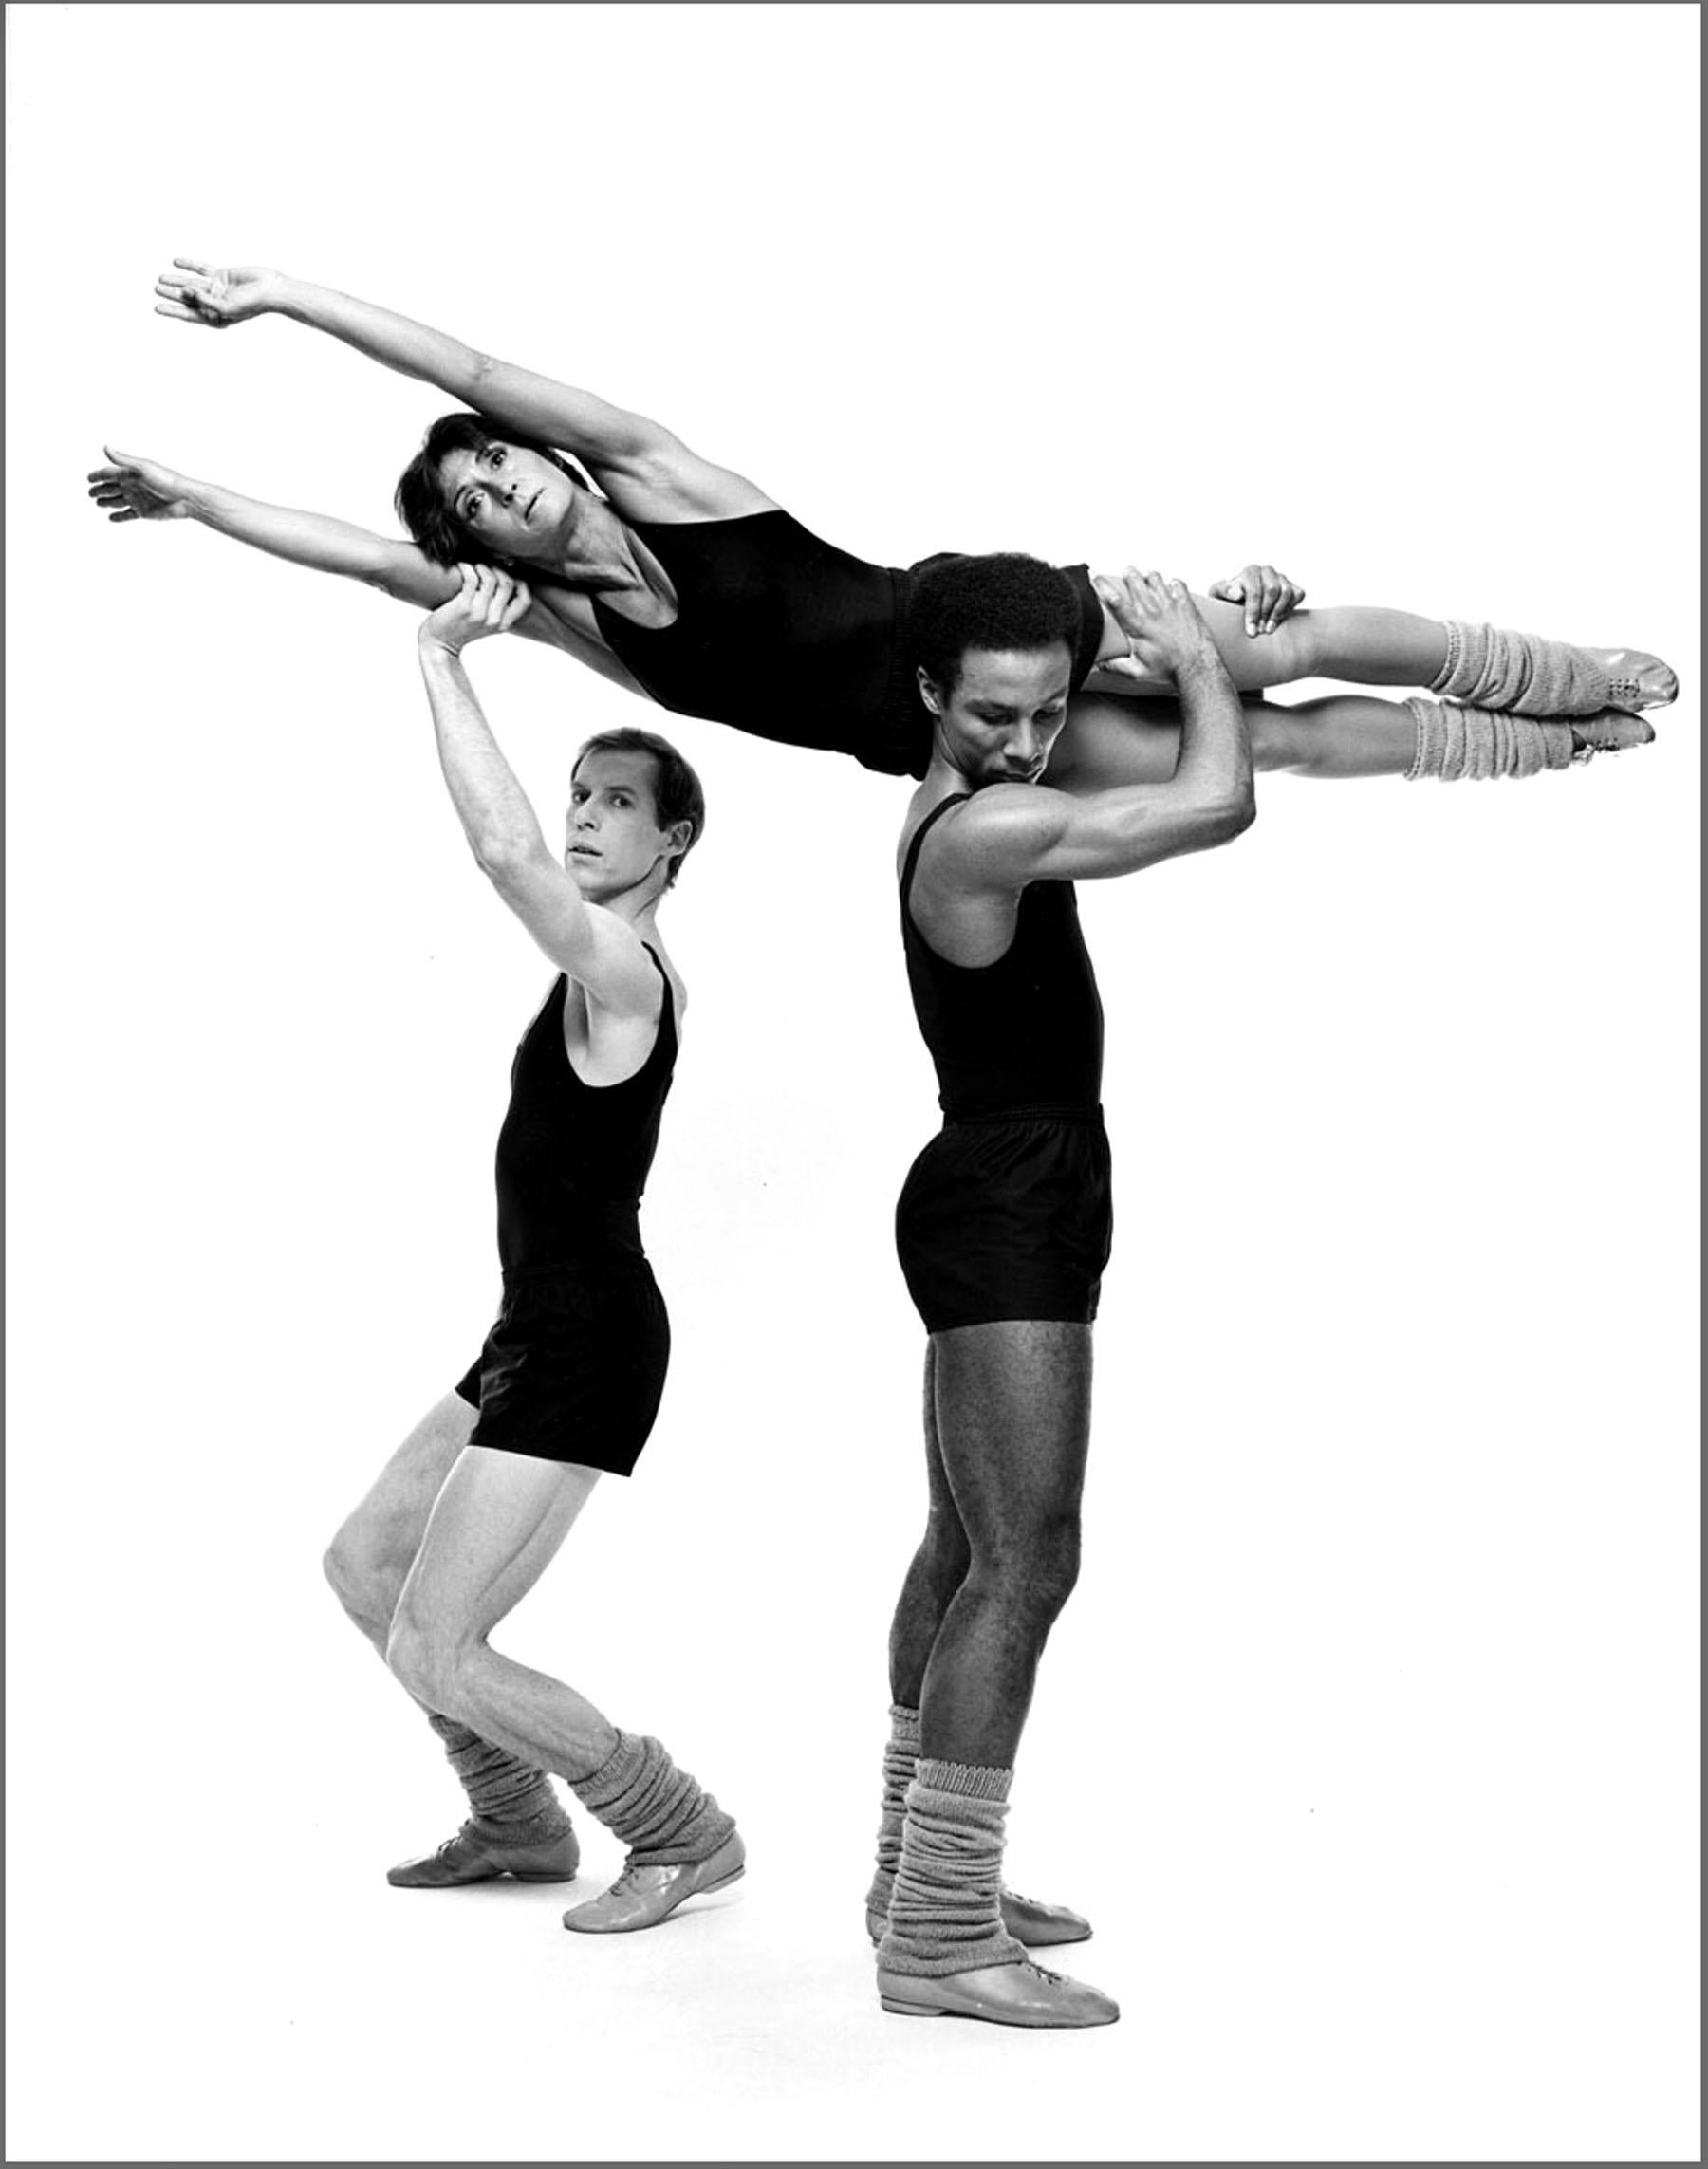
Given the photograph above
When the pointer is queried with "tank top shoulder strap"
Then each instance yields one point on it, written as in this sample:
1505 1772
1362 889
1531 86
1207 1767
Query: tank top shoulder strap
919 834
667 1014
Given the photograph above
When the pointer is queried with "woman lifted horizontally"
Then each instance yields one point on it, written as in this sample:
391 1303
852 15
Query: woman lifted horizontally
686 583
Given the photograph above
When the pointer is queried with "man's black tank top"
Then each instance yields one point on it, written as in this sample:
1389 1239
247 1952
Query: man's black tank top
783 635
1025 1031
574 1157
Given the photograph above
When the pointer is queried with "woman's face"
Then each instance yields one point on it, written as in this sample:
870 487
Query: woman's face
509 500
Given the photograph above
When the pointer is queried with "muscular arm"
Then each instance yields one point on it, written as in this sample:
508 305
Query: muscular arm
1010 835
592 944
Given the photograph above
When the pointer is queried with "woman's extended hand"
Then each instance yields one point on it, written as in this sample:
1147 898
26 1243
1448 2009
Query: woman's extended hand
137 489
201 293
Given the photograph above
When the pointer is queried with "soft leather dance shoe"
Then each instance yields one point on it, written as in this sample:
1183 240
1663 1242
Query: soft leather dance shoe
470 1858
1637 679
1614 730
1023 1994
645 1895
1029 1920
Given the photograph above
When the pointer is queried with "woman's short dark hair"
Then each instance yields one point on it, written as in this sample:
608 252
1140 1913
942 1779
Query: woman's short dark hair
676 793
420 498
1005 603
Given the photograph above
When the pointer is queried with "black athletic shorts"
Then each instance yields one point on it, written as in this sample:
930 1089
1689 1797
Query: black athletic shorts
1008 1217
574 1368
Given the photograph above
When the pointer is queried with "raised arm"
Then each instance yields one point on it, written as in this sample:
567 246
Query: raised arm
132 488
608 439
590 943
1010 835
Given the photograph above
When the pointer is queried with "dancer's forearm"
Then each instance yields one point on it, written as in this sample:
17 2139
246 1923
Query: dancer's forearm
325 545
1214 770
497 816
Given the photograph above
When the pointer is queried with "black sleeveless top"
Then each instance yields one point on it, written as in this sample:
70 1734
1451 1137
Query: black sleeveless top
1025 1031
785 637
574 1157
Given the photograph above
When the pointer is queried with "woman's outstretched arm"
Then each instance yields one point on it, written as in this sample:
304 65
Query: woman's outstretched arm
609 441
132 488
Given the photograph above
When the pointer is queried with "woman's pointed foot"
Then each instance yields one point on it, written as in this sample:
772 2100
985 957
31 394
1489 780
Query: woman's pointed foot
1614 730
1637 679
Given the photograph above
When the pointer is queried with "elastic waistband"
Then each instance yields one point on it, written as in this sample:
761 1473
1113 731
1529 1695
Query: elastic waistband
1039 1111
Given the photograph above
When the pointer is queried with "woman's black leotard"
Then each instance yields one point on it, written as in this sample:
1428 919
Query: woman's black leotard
1007 1211
781 635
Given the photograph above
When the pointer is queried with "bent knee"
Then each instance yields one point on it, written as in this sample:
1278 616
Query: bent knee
366 1577
348 1567
431 1658
419 1660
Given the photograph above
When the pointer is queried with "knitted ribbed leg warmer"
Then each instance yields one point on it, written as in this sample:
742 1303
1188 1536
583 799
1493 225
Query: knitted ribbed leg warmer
900 1757
1456 742
1521 674
657 1809
510 1801
944 1912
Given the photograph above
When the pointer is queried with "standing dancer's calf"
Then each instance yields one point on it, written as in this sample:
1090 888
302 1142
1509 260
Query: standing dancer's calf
473 1506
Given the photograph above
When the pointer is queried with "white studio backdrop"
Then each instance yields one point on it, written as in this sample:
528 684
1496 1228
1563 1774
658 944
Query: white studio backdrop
1369 1734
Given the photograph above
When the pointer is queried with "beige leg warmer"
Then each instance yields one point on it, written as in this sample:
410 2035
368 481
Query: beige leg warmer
1520 674
1456 742
945 1911
901 1756
510 1800
657 1810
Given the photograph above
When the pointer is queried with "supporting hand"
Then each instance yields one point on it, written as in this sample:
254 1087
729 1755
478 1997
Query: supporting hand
200 293
1164 630
137 489
1269 596
487 602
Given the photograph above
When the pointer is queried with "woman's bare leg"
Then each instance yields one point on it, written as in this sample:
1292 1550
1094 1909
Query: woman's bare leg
1364 646
1109 742
1374 646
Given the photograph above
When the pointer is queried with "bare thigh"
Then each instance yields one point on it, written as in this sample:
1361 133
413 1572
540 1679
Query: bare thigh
1014 1428
376 1546
1111 739
497 1524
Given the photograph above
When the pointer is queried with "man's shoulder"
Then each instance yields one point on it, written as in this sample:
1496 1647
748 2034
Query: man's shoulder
1002 820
